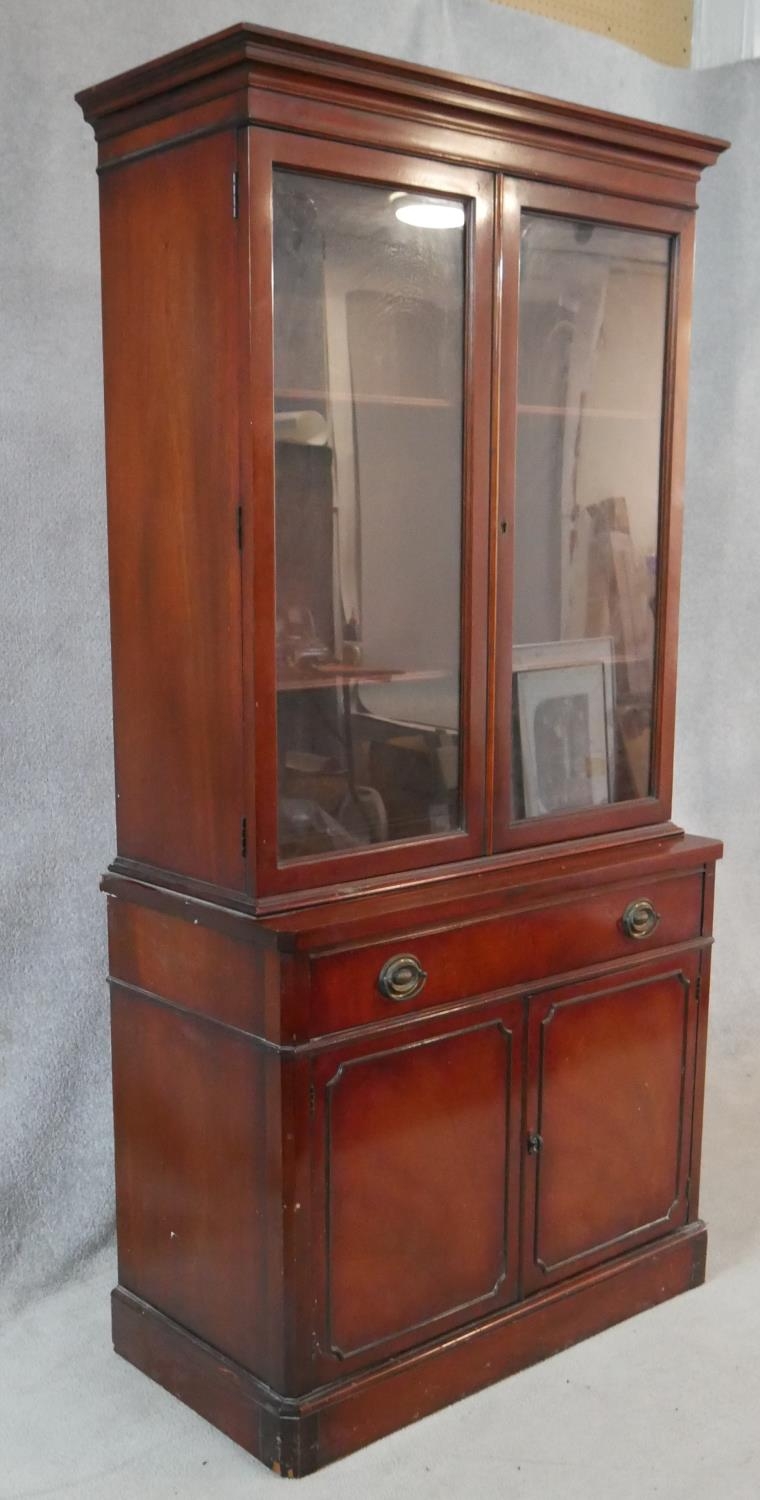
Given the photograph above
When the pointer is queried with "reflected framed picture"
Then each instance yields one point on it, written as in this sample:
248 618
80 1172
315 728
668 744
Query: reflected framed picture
564 711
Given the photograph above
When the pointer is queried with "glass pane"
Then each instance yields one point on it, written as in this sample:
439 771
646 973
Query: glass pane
593 313
369 317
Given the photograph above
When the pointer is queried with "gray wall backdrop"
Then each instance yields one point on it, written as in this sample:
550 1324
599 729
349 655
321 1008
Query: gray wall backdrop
56 833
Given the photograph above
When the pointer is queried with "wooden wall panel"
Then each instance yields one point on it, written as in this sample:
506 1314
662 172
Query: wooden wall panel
660 28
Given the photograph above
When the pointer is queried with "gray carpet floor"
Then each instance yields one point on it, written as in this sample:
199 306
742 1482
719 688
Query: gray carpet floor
666 1405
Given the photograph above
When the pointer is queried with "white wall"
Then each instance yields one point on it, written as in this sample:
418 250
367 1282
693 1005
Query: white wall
725 31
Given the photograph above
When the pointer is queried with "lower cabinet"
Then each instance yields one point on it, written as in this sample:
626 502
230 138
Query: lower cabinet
462 1162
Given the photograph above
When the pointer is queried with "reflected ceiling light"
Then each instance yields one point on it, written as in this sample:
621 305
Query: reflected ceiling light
429 213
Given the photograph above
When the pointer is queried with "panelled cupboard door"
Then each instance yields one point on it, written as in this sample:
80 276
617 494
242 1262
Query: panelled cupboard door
609 1106
592 400
416 1160
366 585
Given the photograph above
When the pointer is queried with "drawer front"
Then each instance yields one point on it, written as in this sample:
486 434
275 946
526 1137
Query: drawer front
421 969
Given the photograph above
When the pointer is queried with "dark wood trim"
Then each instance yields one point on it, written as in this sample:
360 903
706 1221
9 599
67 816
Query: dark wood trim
505 538
609 969
145 889
497 299
247 339
202 1018
327 1041
450 140
515 867
299 1231
181 885
306 65
190 123
700 1064
466 888
601 206
458 138
509 904
673 464
298 1435
476 461
530 833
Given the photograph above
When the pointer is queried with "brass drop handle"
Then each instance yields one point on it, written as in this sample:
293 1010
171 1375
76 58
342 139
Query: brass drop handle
639 918
401 978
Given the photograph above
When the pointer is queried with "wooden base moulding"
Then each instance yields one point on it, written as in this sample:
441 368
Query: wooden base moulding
294 1437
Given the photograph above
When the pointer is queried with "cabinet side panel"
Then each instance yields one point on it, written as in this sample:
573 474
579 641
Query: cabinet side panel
170 330
197 1190
191 966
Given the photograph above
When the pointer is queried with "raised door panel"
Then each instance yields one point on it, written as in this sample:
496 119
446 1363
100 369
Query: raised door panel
416 1161
611 1070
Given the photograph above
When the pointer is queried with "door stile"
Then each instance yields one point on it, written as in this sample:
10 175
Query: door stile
503 527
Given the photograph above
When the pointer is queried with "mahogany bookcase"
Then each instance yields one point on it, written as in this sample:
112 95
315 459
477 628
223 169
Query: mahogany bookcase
409 965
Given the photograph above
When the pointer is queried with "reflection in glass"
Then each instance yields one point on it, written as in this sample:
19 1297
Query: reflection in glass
593 314
369 288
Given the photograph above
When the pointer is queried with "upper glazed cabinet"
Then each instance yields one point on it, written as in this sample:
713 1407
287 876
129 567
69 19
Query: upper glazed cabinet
457 356
424 498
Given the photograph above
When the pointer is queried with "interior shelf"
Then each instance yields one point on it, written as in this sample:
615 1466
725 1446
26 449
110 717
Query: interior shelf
588 411
334 674
366 398
293 393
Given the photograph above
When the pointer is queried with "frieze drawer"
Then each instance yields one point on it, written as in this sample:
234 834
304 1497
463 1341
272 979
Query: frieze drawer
422 968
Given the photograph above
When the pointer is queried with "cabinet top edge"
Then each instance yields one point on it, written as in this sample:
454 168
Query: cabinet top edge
293 62
291 928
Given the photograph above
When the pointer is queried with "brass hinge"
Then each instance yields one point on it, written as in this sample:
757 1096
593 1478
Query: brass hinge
244 837
236 195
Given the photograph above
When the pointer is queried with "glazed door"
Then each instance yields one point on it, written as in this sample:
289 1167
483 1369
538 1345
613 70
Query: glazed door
372 278
416 1147
609 1105
595 342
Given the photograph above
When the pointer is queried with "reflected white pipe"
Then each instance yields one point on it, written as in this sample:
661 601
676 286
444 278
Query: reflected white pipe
425 213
